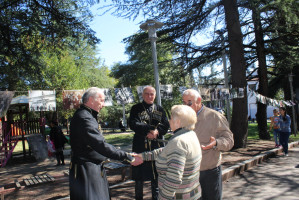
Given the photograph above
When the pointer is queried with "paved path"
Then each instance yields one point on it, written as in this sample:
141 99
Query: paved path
274 179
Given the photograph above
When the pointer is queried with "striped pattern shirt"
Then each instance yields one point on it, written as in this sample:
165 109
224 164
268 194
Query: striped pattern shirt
178 165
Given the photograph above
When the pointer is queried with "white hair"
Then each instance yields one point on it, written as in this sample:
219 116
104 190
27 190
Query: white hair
185 114
192 92
91 92
148 86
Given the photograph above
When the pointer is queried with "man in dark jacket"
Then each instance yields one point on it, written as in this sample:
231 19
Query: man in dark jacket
89 149
149 122
56 135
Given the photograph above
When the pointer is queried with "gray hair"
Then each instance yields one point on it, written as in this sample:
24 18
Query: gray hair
91 92
192 92
148 86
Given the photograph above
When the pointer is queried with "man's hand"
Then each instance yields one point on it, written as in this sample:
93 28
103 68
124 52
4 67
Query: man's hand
210 145
138 160
153 134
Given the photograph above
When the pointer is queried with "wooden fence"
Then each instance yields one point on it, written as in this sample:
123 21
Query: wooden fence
21 128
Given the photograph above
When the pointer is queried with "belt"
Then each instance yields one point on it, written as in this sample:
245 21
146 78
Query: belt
72 164
82 160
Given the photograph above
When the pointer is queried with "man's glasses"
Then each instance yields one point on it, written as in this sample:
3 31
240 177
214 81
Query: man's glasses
189 103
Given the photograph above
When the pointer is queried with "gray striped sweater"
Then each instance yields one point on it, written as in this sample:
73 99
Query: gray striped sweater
178 165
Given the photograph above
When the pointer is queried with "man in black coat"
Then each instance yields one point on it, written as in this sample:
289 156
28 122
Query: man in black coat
58 138
89 149
150 124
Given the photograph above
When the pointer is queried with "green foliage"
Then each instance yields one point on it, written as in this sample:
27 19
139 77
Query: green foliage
113 114
282 29
31 28
139 69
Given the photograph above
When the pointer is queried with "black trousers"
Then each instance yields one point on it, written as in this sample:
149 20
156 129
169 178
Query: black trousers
139 189
211 184
59 157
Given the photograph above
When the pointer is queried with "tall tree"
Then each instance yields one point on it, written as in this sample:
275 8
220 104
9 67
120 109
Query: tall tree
239 122
186 19
39 23
261 115
283 46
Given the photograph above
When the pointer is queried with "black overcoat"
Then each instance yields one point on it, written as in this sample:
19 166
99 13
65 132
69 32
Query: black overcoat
142 120
89 149
56 135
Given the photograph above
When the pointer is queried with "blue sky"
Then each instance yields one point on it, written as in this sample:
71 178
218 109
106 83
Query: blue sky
112 30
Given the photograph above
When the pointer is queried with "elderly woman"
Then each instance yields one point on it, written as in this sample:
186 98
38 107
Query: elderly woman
178 163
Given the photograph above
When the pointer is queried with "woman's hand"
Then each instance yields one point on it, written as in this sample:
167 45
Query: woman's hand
138 160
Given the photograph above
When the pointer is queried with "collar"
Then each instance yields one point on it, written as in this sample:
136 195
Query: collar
146 105
178 132
200 109
92 111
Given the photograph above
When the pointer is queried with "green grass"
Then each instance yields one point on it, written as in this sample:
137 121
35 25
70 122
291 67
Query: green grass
254 135
19 147
119 139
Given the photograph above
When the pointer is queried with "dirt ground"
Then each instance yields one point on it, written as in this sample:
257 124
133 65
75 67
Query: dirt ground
20 168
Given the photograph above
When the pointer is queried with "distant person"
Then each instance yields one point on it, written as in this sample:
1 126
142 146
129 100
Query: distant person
284 129
275 126
150 124
121 126
87 177
58 138
50 146
178 163
212 130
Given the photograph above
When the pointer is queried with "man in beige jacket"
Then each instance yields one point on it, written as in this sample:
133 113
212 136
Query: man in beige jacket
212 130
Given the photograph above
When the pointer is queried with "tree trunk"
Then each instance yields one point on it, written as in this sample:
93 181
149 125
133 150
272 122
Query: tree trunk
287 96
239 124
261 115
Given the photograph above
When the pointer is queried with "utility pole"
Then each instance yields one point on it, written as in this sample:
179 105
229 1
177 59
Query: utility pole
151 26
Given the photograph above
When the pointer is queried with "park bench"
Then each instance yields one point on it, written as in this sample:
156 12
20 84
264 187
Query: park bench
111 166
34 180
31 181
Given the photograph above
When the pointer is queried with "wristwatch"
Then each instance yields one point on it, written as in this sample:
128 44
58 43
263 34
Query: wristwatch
215 147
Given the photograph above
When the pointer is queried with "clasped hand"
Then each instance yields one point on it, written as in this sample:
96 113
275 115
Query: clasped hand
138 159
153 134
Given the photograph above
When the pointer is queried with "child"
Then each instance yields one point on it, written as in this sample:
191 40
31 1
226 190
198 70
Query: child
51 148
275 126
